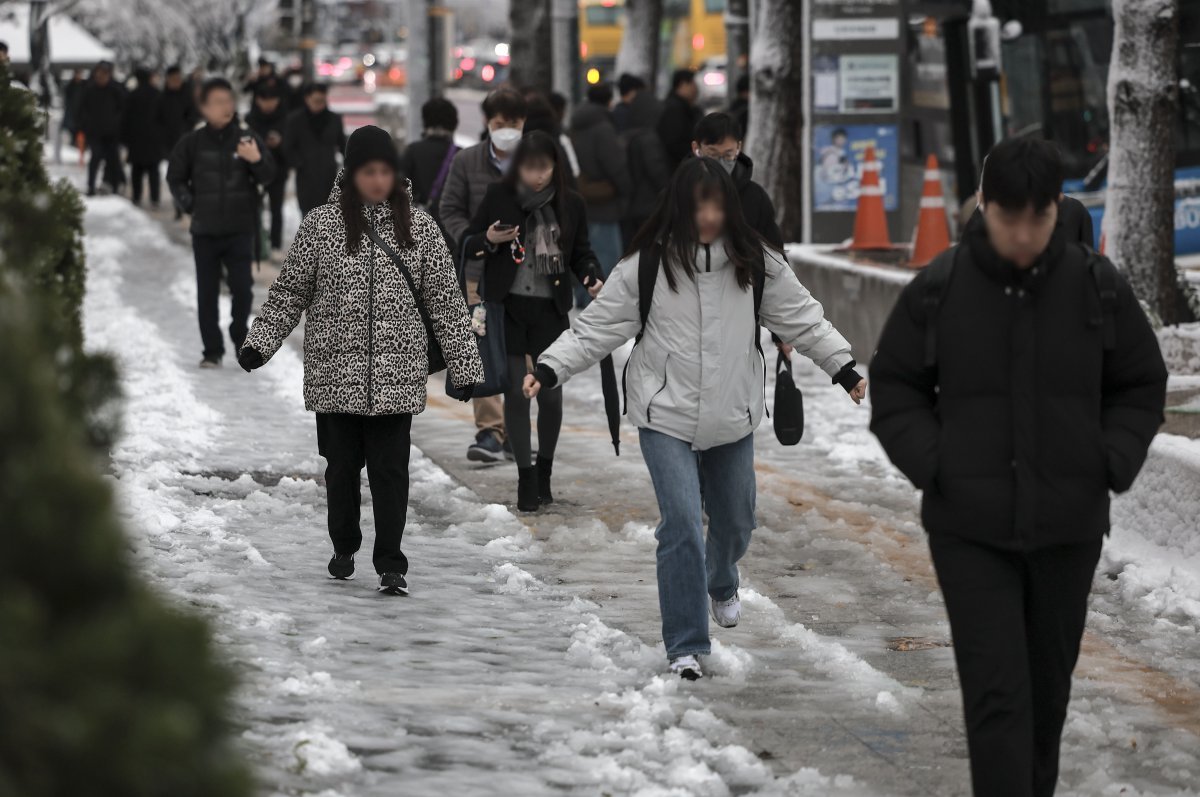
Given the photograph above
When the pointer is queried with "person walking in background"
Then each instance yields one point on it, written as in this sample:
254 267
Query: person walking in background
649 167
603 178
739 109
265 74
177 108
472 172
628 88
145 142
313 140
426 163
72 93
268 118
1016 382
363 375
100 111
679 117
214 174
696 384
532 231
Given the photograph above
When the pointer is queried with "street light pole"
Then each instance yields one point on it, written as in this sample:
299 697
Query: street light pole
564 19
308 42
418 65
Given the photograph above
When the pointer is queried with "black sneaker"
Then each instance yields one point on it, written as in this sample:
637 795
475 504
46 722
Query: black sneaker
486 448
341 566
393 584
210 362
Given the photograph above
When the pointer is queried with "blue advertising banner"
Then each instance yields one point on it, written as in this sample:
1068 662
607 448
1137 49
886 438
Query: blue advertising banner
838 152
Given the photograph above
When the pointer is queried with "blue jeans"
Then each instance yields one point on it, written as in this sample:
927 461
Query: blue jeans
718 482
605 238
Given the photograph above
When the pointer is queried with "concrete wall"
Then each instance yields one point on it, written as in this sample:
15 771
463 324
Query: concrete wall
857 298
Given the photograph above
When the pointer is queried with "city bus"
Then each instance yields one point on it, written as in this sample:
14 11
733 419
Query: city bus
600 25
699 33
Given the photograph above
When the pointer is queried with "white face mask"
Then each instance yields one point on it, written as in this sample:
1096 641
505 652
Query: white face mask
505 139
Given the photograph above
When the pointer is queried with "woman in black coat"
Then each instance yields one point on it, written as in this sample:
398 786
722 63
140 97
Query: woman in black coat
531 231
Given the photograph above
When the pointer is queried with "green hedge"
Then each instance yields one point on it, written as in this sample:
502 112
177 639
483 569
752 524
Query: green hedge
104 689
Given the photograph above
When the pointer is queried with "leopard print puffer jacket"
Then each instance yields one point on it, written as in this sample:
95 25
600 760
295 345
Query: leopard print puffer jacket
365 346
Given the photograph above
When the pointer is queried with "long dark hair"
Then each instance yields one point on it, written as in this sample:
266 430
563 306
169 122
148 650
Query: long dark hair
356 224
536 145
672 225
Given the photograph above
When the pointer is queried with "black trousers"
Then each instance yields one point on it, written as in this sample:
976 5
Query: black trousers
1017 620
275 200
381 443
233 254
106 150
149 172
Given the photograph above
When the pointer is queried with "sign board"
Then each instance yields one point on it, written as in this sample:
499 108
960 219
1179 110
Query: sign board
838 153
872 29
869 83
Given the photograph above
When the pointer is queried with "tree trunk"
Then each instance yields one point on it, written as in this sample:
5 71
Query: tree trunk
639 41
775 139
530 48
737 43
1143 106
41 76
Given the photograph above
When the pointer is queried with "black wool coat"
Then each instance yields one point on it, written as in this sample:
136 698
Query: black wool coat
1025 422
142 129
500 271
312 150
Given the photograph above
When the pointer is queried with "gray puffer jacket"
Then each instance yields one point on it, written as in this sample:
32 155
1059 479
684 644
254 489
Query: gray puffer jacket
697 375
365 345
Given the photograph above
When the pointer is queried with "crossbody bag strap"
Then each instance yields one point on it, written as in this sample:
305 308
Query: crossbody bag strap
398 261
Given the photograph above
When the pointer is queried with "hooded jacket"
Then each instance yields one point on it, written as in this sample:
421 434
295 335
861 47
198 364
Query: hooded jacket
1025 421
697 375
365 345
757 206
649 167
601 159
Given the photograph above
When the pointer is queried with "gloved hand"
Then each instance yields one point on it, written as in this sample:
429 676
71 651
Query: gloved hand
465 393
250 359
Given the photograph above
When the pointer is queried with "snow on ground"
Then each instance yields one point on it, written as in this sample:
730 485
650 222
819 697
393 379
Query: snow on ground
527 660
486 678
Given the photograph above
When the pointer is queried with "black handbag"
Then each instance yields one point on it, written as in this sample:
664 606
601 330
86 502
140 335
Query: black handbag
437 361
493 348
789 404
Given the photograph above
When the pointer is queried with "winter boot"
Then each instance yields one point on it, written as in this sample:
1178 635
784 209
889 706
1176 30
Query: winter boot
544 469
393 584
341 566
687 668
527 489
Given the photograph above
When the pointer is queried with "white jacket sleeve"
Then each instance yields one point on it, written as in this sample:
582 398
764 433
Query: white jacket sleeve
607 322
791 312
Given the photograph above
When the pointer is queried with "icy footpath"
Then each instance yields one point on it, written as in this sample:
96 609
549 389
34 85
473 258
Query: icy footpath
487 680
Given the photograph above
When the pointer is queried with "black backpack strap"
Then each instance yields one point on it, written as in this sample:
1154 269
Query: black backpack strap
1104 275
760 285
649 262
937 277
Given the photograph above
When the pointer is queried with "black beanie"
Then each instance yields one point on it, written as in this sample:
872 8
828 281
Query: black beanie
368 144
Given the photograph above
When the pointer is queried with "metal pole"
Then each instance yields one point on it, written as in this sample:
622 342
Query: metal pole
308 42
564 31
418 65
737 43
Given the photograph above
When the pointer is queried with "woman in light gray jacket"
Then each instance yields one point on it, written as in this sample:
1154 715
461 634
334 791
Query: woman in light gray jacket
696 384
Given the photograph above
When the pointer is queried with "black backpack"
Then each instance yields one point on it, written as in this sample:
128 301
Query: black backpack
939 272
649 264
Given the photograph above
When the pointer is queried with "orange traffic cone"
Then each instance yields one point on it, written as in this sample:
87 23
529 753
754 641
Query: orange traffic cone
933 231
870 220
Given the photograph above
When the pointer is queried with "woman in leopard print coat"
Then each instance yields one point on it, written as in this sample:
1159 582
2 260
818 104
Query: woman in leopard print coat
365 344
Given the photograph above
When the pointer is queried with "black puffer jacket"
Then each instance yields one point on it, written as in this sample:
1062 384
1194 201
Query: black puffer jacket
210 182
1026 421
757 207
177 114
266 123
100 108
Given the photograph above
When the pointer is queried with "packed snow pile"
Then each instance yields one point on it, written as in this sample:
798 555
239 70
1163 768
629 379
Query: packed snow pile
1181 348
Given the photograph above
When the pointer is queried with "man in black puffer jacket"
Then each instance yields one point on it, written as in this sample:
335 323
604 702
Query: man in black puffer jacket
1017 382
214 174
99 117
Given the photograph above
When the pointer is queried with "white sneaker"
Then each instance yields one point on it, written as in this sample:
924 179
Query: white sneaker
687 668
726 613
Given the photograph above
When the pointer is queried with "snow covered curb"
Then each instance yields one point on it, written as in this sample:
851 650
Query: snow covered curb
1181 348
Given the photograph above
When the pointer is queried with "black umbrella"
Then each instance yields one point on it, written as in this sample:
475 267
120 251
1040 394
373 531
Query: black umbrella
612 400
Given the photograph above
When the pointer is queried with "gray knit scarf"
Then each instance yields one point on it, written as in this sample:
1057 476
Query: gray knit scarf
544 255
